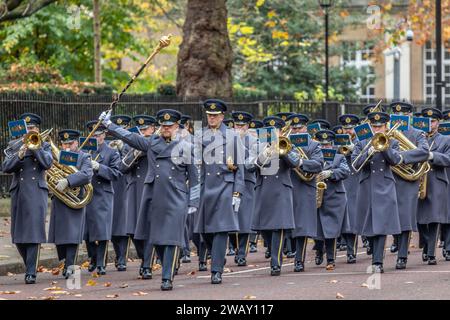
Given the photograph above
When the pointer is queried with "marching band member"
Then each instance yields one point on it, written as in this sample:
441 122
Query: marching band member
274 209
167 197
377 200
305 210
120 238
241 239
445 229
407 191
136 168
105 163
334 203
222 181
29 194
349 230
433 209
67 224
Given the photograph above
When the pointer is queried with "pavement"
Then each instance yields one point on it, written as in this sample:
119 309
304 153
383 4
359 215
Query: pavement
253 282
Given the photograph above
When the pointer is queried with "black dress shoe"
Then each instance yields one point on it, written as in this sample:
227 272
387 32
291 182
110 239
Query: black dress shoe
166 285
424 257
290 255
299 266
447 257
186 259
202 267
444 253
377 268
441 244
146 274
231 252
267 254
253 248
158 261
394 248
92 267
401 263
30 279
351 259
141 269
121 267
343 247
236 259
64 272
275 271
319 258
365 243
432 261
101 271
216 278
369 250
242 262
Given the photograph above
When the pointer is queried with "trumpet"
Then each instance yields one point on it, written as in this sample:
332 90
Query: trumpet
32 140
283 147
380 142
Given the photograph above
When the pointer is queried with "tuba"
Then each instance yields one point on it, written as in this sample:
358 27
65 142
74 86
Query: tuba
75 198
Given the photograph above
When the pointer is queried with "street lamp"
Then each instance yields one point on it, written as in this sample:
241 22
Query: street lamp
326 5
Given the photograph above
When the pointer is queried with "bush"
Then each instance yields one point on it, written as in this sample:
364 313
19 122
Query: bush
167 90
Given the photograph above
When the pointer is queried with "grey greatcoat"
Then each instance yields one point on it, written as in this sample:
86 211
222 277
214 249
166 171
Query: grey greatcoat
433 209
407 191
334 207
305 209
274 208
29 194
119 224
377 199
167 195
216 213
247 206
135 177
99 213
67 224
351 185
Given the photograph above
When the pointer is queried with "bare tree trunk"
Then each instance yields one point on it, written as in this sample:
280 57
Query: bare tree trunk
97 43
205 56
17 9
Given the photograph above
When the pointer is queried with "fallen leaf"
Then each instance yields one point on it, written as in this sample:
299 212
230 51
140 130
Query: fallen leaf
60 292
61 266
191 273
55 271
107 284
123 285
140 293
9 274
156 267
10 292
249 297
53 283
333 281
112 296
339 296
365 285
85 265
91 283
227 270
52 289
329 267
41 269
409 282
95 275
50 298
78 295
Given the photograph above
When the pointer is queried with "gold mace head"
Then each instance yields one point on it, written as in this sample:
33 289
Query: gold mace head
165 41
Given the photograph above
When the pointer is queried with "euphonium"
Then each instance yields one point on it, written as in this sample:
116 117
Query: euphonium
75 198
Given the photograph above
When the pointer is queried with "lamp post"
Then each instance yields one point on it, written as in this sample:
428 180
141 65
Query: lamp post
439 84
326 5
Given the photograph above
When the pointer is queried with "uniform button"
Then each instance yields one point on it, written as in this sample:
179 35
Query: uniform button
371 162
276 177
157 176
173 168
207 173
34 168
21 170
218 173
381 169
206 162
98 182
156 166
373 171
32 178
21 179
382 160
138 168
265 177
170 178
220 162
138 176
221 152
34 160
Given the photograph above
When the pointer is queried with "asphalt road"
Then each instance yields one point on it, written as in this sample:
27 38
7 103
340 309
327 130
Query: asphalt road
418 281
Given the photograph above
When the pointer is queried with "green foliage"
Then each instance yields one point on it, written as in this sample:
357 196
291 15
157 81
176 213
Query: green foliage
279 48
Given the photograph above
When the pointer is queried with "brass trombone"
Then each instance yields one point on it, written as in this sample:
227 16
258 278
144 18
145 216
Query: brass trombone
32 140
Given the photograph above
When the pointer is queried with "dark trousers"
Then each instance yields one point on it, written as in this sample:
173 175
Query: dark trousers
30 256
330 248
217 245
241 242
121 245
402 241
289 243
186 251
169 258
445 231
202 251
148 254
352 243
378 244
68 253
300 244
253 238
139 246
97 252
275 240
430 233
231 241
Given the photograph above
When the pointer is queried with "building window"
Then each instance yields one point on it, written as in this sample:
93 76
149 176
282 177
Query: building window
430 73
359 55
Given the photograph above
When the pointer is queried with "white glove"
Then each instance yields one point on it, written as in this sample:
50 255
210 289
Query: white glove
22 151
325 174
95 165
236 203
105 117
118 145
430 156
192 210
62 184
